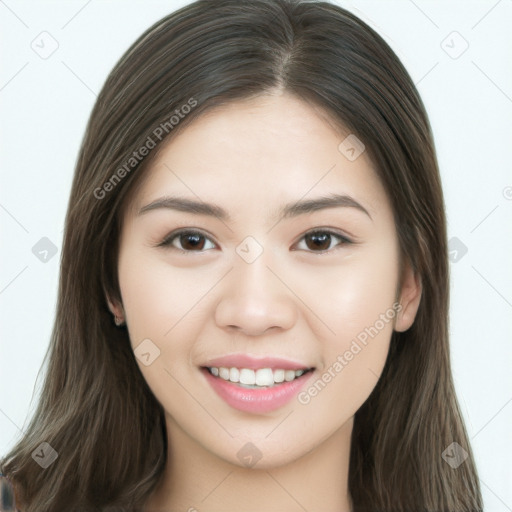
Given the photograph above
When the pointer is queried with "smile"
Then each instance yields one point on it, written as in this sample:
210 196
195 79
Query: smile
254 379
256 385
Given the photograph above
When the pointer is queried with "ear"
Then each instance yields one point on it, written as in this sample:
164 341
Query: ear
410 297
115 307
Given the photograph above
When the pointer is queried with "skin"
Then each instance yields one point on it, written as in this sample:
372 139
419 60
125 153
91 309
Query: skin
294 301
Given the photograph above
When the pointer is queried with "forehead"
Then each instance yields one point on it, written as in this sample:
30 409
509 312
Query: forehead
260 153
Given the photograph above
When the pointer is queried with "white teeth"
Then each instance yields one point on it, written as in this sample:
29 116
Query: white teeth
278 376
289 375
247 376
264 377
234 375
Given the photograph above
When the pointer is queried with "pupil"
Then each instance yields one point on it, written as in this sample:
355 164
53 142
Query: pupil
321 241
195 241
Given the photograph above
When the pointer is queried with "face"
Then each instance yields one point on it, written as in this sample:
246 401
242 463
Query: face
293 267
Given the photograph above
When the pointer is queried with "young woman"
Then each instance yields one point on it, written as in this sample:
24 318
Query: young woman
253 294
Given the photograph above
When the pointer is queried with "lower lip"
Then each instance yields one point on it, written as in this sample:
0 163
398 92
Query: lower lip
256 401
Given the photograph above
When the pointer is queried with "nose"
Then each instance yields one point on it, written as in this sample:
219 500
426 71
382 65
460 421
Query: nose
254 300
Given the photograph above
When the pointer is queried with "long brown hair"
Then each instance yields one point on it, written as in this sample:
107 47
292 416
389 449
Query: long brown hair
95 409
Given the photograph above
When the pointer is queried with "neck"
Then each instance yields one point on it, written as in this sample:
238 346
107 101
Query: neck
197 480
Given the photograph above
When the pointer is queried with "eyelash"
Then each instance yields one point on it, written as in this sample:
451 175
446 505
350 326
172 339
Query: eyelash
172 236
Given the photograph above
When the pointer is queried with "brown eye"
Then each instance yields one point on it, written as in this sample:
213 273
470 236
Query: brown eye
321 241
187 241
191 241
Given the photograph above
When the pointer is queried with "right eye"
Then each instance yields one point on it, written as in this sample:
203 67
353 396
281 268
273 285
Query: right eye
187 241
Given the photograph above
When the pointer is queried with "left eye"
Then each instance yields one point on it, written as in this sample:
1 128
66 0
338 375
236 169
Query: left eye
321 241
190 241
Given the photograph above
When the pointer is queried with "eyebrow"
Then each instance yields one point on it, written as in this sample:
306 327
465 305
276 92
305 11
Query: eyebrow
294 209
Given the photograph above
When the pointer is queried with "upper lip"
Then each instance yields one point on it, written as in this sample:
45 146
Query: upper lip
255 363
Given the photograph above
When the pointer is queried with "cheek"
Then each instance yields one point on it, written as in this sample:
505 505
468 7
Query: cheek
159 299
163 304
358 305
354 294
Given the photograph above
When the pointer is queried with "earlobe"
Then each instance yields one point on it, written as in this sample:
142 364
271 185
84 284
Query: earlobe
116 309
410 298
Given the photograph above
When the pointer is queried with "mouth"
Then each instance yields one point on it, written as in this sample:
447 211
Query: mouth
256 386
262 378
